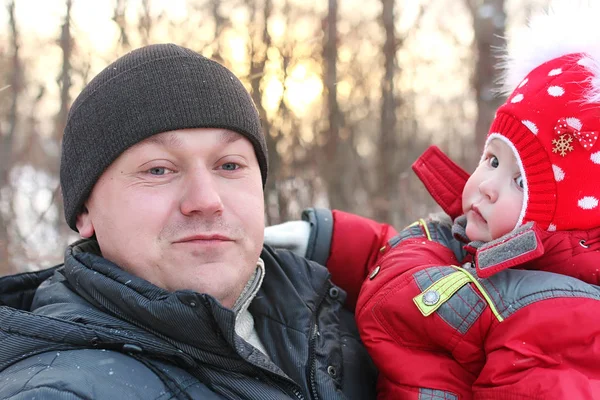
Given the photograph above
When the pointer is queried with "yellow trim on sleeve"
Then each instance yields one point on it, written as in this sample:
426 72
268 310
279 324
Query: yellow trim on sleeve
424 225
442 290
439 292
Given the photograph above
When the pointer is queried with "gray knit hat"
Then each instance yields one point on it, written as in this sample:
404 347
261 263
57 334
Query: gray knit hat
151 90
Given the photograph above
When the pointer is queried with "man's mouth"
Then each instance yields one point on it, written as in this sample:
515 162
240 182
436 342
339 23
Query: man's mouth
205 238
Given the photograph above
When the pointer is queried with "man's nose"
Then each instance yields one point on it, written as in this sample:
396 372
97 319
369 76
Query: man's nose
489 188
201 193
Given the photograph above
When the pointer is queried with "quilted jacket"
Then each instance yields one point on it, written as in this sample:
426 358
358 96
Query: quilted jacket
89 330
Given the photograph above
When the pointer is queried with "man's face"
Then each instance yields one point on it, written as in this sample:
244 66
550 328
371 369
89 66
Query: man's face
493 196
183 210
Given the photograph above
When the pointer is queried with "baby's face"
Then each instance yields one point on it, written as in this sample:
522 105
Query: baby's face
493 196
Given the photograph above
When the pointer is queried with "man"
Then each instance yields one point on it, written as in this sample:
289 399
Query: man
171 294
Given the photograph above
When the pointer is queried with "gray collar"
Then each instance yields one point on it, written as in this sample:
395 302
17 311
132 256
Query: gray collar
243 302
244 321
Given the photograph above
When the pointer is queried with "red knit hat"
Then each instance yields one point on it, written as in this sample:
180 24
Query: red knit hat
551 120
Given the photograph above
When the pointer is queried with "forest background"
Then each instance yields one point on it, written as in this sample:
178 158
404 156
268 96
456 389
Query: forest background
350 92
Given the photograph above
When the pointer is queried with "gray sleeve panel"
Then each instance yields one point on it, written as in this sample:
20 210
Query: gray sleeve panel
410 232
427 277
440 232
513 289
321 231
433 394
463 308
508 291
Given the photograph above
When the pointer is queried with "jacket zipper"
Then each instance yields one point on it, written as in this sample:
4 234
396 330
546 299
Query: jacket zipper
296 392
286 385
289 386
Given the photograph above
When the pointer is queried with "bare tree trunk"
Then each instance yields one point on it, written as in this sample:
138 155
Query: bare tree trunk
121 21
145 24
65 82
219 27
259 46
386 173
334 169
489 20
66 45
287 124
7 140
283 202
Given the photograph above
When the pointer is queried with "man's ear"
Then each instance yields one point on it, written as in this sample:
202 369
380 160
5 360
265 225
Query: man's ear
84 223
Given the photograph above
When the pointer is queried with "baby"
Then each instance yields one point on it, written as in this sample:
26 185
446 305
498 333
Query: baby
504 302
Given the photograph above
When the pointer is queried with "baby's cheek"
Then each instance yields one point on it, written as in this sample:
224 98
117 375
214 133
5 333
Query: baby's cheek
502 226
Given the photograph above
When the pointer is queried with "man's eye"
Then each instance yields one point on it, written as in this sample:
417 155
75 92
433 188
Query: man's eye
157 171
494 162
230 166
519 181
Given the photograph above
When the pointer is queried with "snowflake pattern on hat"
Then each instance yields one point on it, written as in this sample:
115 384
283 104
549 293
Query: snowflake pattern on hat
571 128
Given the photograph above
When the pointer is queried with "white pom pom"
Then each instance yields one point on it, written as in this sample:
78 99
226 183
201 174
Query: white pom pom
568 26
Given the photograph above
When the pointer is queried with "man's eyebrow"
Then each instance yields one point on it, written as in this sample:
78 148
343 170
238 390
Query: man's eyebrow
171 139
166 140
227 137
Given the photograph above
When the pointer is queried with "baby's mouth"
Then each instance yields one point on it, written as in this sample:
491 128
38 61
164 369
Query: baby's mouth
476 211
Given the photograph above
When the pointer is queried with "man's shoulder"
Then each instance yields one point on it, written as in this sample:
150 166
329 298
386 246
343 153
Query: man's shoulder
90 373
296 281
293 266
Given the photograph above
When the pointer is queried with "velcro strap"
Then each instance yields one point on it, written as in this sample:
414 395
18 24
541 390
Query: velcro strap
518 247
443 179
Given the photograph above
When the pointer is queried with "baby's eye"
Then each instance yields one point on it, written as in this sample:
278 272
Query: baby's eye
519 181
493 160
